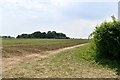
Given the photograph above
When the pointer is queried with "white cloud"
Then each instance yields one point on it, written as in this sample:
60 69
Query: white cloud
39 5
26 4
35 5
66 1
32 8
82 27
61 2
11 1
79 27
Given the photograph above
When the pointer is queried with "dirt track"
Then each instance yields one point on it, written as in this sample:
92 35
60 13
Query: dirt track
9 63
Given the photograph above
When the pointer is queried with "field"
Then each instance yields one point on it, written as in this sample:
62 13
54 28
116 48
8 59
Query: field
21 47
29 58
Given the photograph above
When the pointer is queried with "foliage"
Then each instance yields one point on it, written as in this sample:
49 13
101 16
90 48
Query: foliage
106 38
6 37
49 34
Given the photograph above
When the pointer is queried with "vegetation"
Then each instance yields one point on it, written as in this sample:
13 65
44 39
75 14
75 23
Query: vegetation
106 44
100 58
106 38
74 63
6 37
49 35
19 47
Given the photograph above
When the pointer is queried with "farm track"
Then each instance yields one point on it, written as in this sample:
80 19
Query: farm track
9 63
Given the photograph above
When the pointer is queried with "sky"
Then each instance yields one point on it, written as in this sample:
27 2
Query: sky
75 18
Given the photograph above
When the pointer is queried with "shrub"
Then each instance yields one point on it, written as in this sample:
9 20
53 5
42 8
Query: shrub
106 38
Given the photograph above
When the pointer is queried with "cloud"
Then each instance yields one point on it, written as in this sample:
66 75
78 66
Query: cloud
39 5
76 19
59 8
61 3
26 4
34 8
79 27
87 10
86 0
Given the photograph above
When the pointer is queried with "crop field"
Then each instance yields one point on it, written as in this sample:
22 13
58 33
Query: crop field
21 47
17 51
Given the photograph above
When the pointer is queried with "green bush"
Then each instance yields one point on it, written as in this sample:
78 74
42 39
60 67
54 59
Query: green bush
106 38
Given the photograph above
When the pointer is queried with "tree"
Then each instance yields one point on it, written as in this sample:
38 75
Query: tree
24 36
43 35
37 34
49 34
18 36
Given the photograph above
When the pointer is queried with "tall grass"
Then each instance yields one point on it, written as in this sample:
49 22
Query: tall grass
91 55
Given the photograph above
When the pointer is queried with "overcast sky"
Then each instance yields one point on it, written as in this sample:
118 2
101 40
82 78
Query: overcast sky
75 18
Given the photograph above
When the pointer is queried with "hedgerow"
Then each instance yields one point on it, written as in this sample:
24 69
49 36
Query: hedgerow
106 39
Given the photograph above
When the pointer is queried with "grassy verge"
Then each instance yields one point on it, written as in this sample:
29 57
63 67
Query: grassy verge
78 62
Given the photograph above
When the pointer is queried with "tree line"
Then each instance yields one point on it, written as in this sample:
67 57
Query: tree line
49 35
6 37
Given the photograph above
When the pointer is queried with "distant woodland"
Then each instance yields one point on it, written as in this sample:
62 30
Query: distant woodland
6 37
48 35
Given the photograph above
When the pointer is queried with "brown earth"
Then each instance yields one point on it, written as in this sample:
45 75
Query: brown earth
9 63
